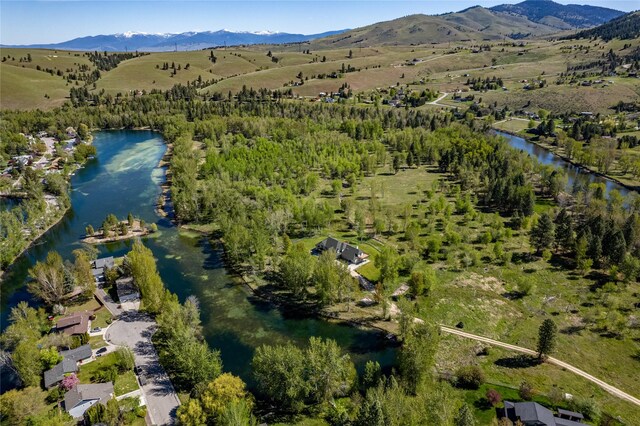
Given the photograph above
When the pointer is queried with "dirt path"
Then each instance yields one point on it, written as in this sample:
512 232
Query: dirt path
444 95
613 390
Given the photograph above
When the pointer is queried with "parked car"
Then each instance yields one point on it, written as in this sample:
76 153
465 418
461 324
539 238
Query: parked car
96 329
101 350
143 380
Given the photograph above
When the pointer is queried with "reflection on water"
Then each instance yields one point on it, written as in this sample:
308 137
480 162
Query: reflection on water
578 178
124 178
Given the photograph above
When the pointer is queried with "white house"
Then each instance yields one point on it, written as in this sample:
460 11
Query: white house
82 397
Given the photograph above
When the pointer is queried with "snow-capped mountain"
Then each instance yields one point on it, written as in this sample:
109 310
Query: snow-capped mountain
147 42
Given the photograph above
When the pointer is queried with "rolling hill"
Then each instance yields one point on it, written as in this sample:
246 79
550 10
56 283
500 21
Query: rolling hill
473 24
625 27
558 15
184 41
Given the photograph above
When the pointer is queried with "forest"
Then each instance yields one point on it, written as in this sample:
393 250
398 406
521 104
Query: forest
430 197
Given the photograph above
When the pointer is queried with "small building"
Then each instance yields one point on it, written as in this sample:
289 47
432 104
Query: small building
82 397
56 374
78 354
346 251
99 266
127 290
74 324
534 414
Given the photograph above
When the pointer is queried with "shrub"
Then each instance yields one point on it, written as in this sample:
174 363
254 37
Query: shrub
587 407
469 377
106 375
494 397
525 391
124 359
69 381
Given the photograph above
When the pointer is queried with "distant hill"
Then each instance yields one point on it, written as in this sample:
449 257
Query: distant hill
185 41
625 27
473 24
558 15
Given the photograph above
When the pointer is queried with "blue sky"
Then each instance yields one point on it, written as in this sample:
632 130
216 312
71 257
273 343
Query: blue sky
28 22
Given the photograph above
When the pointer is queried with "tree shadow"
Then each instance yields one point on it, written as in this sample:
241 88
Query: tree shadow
572 329
518 361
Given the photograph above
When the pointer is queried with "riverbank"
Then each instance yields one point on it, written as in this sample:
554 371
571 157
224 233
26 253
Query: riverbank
165 187
586 169
30 243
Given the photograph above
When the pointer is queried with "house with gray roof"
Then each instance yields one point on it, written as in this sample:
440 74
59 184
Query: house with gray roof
79 354
56 374
346 251
82 397
533 414
99 266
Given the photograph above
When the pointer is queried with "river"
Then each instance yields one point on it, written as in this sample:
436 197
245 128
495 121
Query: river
577 177
124 178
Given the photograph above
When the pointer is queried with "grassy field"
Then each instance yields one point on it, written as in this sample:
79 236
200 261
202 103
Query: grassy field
125 382
442 67
505 301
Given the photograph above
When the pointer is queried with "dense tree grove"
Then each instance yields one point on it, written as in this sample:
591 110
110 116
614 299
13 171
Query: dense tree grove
269 176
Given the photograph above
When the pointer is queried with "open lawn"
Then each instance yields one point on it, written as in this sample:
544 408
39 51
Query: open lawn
97 342
125 382
497 299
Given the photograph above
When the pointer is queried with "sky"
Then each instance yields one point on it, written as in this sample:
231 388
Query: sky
52 21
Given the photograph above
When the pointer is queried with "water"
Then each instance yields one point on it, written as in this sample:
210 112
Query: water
124 178
577 176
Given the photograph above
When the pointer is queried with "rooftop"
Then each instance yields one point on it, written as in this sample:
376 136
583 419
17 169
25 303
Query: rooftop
77 323
102 392
78 354
53 376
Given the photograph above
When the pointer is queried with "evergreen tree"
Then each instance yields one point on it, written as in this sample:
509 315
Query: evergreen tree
465 417
542 235
546 338
564 236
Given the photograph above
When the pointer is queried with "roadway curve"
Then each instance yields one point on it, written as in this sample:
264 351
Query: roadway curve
613 390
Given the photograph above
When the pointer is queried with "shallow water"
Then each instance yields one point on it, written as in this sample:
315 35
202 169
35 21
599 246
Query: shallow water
124 178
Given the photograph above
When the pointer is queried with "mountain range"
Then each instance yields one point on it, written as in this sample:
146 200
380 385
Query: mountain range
132 41
530 18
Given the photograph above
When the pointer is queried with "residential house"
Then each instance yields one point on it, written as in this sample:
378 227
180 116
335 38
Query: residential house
534 414
74 324
79 354
82 397
56 374
346 251
99 266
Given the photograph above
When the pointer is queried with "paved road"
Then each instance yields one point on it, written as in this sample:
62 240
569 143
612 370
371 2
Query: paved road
135 330
107 301
611 389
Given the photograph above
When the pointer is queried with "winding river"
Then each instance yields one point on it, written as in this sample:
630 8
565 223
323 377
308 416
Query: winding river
124 178
577 176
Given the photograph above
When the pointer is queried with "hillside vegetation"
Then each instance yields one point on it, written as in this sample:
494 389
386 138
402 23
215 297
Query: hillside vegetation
625 28
559 15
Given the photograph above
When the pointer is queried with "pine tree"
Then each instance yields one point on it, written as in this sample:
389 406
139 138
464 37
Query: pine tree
542 235
465 416
546 338
564 231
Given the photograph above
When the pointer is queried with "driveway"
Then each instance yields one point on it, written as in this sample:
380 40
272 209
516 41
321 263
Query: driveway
134 330
611 389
